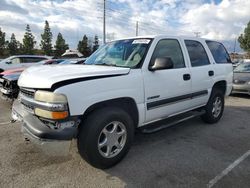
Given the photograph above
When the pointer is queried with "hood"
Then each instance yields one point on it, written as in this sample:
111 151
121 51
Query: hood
12 71
46 76
242 76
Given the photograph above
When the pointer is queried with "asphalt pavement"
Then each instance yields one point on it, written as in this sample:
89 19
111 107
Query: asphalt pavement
192 154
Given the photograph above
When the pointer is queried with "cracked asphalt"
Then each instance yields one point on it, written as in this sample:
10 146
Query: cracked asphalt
189 154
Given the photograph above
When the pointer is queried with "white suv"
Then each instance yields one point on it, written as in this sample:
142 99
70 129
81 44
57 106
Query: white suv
125 85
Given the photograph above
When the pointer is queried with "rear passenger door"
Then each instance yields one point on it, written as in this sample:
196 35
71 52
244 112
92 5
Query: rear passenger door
202 72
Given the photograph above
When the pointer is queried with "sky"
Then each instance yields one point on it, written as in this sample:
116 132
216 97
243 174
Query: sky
222 20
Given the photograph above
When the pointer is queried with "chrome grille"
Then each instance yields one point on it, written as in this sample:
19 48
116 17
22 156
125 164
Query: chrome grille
28 107
27 92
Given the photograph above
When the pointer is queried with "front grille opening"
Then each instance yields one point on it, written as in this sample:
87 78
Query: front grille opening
27 92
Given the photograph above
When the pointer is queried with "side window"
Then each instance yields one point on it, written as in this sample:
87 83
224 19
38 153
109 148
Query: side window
31 59
219 52
15 60
197 53
169 48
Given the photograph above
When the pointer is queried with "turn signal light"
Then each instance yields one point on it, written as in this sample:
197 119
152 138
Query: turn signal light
51 115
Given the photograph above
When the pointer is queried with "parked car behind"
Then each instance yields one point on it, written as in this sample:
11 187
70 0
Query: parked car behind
9 87
9 78
241 81
19 61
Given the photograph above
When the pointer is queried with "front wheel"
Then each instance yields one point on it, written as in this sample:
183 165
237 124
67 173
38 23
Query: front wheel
105 137
214 108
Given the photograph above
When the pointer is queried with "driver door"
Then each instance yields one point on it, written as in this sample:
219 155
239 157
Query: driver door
167 92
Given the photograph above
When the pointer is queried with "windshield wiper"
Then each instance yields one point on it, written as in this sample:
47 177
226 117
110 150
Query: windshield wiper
107 64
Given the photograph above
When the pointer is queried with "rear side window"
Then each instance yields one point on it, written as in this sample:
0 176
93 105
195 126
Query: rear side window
197 53
169 48
219 52
32 59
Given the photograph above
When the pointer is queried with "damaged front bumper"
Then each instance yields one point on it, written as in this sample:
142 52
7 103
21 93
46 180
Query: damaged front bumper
52 141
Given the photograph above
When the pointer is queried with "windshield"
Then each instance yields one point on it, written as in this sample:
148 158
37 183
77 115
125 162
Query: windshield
6 60
244 67
122 53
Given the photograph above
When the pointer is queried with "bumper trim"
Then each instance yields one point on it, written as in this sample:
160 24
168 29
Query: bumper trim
35 128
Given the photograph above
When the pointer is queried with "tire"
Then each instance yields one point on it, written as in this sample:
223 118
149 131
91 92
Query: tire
214 112
97 129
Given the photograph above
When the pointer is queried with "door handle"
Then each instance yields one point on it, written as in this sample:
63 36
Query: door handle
210 73
186 77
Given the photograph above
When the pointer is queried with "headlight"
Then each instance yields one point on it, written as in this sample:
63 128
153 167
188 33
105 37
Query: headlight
45 96
51 105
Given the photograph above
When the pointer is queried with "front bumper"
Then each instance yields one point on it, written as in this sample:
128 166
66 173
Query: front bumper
51 141
18 112
244 88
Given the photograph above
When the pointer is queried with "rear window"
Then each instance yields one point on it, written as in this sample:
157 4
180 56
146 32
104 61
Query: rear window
219 52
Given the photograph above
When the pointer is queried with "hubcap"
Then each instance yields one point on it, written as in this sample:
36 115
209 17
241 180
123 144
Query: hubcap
112 139
217 107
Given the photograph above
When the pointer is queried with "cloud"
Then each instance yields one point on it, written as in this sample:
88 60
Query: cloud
215 19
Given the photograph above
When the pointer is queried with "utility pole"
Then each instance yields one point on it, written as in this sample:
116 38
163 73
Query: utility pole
104 21
137 28
197 34
234 48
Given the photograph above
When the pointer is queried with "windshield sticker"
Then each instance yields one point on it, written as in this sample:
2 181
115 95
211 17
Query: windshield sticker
141 41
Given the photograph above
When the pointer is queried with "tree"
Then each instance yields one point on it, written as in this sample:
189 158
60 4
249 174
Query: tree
244 39
83 46
96 43
28 41
13 45
2 42
60 46
46 42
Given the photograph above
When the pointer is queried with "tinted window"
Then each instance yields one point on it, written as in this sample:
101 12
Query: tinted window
197 53
169 48
32 59
219 52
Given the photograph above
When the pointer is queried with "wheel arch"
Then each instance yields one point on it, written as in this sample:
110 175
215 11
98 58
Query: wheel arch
126 103
220 85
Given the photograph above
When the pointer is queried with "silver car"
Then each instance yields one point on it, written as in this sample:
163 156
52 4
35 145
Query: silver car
241 81
19 61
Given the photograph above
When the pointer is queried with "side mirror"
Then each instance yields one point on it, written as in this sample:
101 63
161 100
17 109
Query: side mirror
162 63
8 62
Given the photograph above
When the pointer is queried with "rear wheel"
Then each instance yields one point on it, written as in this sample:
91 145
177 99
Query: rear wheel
105 137
214 108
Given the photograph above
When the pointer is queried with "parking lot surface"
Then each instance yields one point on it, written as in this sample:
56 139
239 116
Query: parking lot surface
191 154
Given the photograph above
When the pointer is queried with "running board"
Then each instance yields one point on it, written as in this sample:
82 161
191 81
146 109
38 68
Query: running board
155 127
